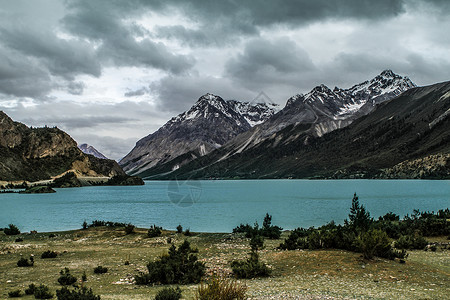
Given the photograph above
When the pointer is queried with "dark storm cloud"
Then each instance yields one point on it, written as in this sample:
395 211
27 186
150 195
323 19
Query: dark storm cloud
221 22
65 58
104 23
22 77
265 62
139 92
75 88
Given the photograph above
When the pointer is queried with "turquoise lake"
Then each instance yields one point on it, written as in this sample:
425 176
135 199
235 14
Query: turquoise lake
219 206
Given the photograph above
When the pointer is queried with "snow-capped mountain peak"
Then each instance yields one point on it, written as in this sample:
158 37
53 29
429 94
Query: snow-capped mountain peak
344 102
88 149
207 125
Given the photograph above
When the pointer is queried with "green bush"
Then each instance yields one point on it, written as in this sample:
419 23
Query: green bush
82 293
250 268
221 289
410 242
154 231
30 290
179 229
11 230
23 262
15 294
66 278
100 270
187 232
49 254
42 292
390 216
267 230
359 218
256 243
374 243
179 266
129 228
169 294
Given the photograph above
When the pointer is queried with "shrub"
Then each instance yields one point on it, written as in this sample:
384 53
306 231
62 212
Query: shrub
15 294
84 277
18 240
250 268
85 225
82 293
154 231
359 218
390 216
257 242
374 243
100 270
129 228
51 235
179 266
409 242
30 290
179 229
169 294
49 254
267 230
187 232
42 292
11 230
23 262
221 289
99 223
66 278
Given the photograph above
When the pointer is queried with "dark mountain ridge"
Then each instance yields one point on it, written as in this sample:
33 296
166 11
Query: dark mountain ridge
413 128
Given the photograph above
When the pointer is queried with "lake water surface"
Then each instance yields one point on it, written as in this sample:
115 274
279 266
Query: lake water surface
219 206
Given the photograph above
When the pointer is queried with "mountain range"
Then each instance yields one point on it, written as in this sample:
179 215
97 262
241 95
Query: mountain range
250 148
406 137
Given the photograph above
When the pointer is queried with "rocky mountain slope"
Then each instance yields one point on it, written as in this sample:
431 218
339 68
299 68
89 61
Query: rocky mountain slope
210 123
398 134
325 109
34 154
88 149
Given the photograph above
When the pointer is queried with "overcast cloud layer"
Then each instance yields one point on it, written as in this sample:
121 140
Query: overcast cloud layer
110 72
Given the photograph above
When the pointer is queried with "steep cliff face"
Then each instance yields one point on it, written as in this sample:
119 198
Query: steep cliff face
41 153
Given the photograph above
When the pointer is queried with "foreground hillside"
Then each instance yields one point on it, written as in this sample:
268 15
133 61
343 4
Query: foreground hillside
33 154
407 137
300 274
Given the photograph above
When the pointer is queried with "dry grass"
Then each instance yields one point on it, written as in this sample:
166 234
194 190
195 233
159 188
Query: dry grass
331 274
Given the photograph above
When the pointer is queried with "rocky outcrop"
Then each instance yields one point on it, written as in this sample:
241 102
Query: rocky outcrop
429 167
34 154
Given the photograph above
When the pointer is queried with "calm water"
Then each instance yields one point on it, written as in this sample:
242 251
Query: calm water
218 206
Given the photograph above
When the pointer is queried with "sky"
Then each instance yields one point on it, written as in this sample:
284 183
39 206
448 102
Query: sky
111 72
